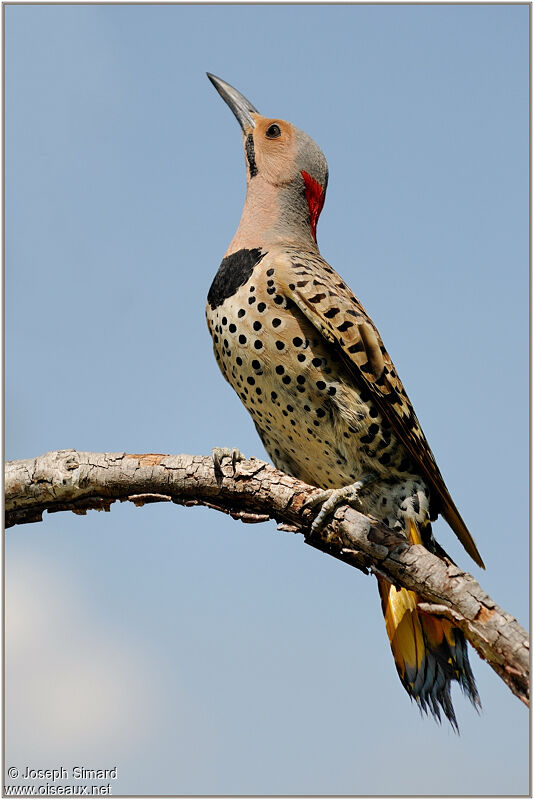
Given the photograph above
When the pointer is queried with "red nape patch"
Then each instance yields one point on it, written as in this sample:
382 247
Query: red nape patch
315 198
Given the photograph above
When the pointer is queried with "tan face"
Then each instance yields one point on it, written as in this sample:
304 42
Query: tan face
275 149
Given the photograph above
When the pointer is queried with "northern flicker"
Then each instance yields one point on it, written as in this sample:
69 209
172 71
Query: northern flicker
310 367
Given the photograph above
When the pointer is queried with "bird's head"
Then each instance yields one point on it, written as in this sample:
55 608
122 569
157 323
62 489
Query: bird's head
281 156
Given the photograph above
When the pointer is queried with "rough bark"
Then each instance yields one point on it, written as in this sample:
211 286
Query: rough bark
68 480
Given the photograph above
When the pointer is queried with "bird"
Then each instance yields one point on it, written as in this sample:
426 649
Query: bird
311 368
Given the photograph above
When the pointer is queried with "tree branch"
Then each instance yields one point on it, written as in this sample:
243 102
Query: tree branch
68 480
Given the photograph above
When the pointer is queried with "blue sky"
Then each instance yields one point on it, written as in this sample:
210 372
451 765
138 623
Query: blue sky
197 654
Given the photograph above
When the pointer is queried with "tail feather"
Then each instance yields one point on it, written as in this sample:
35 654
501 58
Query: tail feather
429 651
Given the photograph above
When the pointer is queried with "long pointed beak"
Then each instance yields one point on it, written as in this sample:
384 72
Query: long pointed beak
242 108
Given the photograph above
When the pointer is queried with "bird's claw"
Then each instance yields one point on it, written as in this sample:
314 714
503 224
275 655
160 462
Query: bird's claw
218 453
330 499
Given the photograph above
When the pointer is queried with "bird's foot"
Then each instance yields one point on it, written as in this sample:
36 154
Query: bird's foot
218 453
330 499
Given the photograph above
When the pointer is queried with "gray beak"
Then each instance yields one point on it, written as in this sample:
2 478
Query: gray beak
241 107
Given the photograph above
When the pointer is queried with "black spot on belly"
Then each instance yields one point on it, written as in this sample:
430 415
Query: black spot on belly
235 270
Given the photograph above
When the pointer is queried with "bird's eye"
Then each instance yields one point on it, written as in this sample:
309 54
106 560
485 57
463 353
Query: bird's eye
273 132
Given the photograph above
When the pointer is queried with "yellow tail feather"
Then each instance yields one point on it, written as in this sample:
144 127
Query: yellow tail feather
429 651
